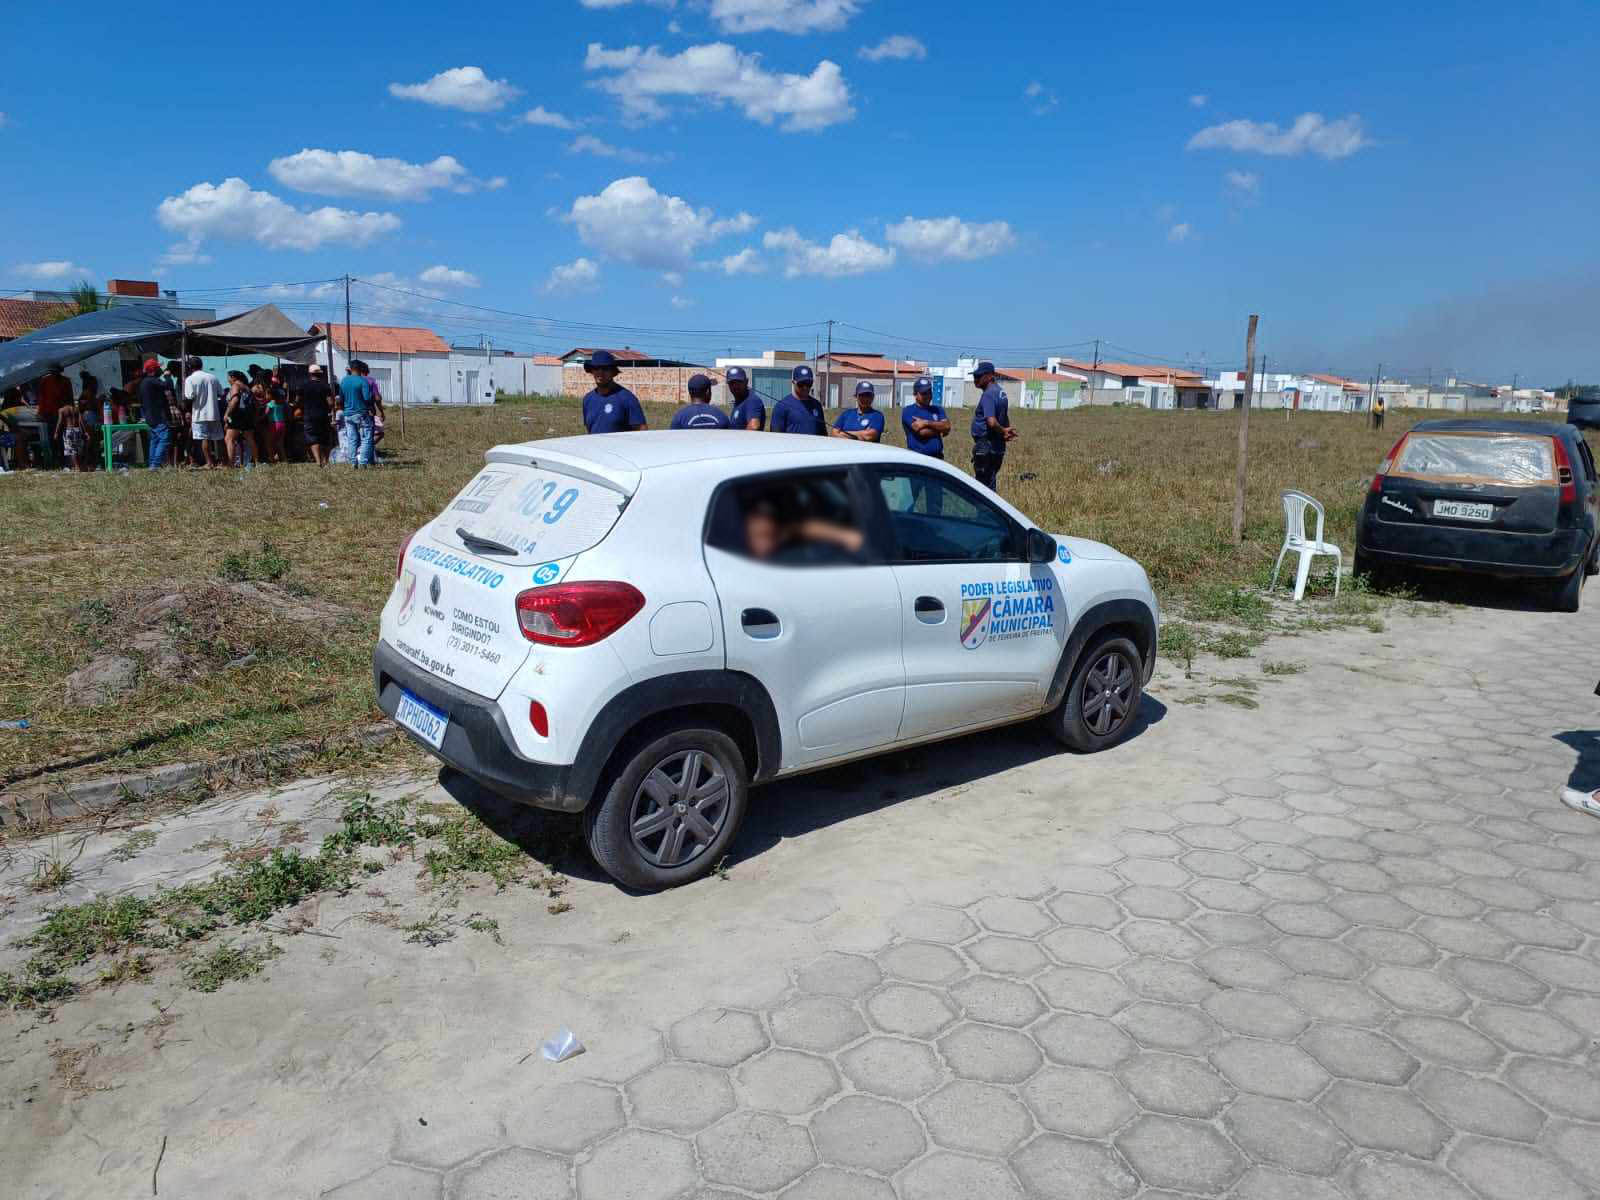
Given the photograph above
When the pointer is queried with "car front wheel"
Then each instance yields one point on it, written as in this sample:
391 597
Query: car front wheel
1102 700
671 811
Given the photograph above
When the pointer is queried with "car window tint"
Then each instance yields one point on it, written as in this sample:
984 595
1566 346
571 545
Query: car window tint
937 519
1496 459
796 519
1588 460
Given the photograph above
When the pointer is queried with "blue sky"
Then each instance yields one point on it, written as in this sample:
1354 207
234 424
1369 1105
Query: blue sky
1380 182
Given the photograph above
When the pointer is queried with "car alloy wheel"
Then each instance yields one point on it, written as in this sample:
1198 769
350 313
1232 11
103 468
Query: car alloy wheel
679 808
1107 699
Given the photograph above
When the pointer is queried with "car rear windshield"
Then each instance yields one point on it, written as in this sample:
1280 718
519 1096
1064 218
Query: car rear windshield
1491 458
538 513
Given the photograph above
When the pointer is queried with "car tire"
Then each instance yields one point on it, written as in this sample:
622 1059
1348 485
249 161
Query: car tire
1117 668
1378 577
1568 591
651 800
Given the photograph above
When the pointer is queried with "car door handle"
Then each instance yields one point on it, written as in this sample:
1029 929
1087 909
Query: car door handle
760 623
929 610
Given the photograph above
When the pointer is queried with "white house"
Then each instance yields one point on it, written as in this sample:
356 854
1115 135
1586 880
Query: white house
478 373
411 365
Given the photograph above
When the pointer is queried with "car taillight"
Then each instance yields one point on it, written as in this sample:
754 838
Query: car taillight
400 559
1388 461
538 718
576 614
1569 489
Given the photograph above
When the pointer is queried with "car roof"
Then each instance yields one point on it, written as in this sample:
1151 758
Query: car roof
1492 425
654 449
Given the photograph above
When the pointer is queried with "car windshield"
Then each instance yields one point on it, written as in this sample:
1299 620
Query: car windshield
1489 458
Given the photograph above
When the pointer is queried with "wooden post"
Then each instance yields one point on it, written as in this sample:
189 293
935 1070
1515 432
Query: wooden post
1244 432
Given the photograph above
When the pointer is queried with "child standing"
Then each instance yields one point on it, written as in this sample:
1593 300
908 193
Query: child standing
277 431
70 433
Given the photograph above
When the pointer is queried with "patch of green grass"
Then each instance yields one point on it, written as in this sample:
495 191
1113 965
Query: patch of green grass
482 924
1238 699
469 846
1233 605
227 963
1281 667
1179 642
141 839
1233 643
1240 683
269 565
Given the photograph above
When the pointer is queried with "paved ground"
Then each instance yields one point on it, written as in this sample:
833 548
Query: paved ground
1343 944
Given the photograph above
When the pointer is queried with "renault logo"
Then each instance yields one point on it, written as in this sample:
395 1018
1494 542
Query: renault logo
433 590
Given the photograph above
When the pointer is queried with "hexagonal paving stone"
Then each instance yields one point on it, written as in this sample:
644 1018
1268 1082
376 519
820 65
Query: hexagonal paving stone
566 1118
1058 1168
1223 895
1095 880
835 974
1256 1014
1079 908
867 1134
1174 1153
1289 888
1496 981
640 1165
395 1181
1082 1041
990 1053
1269 1183
1076 946
1269 1068
1418 990
829 1183
1231 929
1559 1086
1500 1171
1318 956
1464 937
1155 872
1380 1118
913 1011
1479 1105
1435 1039
976 1117
923 962
1003 914
1561 970
1000 955
683 1097
1169 1027
1576 1146
1375 1178
1536 929
1218 864
786 1081
1166 903
892 1067
509 1175
1335 1000
1287 1134
1162 979
1160 939
934 923
997 1001
755 1151
1176 1084
1243 967
821 1024
718 1037
945 1176
1078 989
446 1140
1352 1053
1373 910
1527 1030
1080 1102
1305 920
1391 946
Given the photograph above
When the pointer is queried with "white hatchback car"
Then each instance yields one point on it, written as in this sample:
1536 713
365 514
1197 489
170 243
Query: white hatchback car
639 626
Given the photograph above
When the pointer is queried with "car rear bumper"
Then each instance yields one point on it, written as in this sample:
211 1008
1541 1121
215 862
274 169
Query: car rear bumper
1453 548
477 742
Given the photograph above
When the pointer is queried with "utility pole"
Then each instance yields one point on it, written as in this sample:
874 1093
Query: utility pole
349 344
827 372
1427 401
1095 367
1244 432
1377 390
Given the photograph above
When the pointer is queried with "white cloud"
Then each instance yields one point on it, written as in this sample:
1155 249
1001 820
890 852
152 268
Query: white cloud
782 16
682 302
581 274
1243 183
1199 100
896 45
846 254
465 88
352 173
588 144
1041 99
641 77
1179 232
183 254
746 262
1311 132
235 211
442 276
935 238
632 222
54 271
540 115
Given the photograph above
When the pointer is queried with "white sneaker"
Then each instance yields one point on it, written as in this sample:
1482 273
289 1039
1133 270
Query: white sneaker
1585 802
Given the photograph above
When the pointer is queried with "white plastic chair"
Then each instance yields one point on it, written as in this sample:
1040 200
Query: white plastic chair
1296 541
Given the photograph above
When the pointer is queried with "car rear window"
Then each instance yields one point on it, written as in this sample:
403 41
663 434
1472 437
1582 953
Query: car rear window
540 513
1491 458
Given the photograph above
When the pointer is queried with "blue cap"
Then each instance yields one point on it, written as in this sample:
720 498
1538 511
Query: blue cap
802 374
698 383
984 368
864 389
923 385
737 375
600 358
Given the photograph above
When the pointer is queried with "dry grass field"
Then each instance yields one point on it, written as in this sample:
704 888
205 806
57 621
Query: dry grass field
247 601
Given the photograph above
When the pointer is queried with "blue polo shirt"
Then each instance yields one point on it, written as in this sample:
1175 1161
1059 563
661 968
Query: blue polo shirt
751 408
922 412
853 420
356 394
616 413
699 416
993 403
794 415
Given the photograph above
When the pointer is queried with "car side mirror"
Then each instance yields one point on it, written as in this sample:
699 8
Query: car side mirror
1041 546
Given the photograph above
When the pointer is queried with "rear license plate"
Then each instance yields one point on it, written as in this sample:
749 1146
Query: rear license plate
421 718
1464 509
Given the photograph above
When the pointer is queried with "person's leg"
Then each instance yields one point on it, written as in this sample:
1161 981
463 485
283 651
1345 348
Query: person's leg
1584 802
159 438
366 449
985 465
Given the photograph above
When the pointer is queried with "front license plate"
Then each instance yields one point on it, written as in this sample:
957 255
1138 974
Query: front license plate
1464 509
421 718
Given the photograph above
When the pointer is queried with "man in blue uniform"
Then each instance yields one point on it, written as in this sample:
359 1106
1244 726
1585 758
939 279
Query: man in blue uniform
699 413
798 412
924 421
609 408
991 426
748 410
863 423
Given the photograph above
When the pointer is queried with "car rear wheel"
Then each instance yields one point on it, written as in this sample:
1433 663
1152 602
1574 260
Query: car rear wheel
1102 699
671 810
1568 591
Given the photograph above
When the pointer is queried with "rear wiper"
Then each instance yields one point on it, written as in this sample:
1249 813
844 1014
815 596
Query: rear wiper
485 545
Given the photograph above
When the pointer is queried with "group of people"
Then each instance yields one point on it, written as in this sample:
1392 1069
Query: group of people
612 408
194 418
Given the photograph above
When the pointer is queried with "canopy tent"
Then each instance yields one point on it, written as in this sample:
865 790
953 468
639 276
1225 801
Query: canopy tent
263 330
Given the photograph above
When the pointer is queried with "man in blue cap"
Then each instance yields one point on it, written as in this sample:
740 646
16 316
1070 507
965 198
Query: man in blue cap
924 421
991 426
863 423
799 412
699 413
609 408
748 410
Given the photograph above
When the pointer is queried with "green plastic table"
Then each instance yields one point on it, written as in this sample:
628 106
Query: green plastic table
106 432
